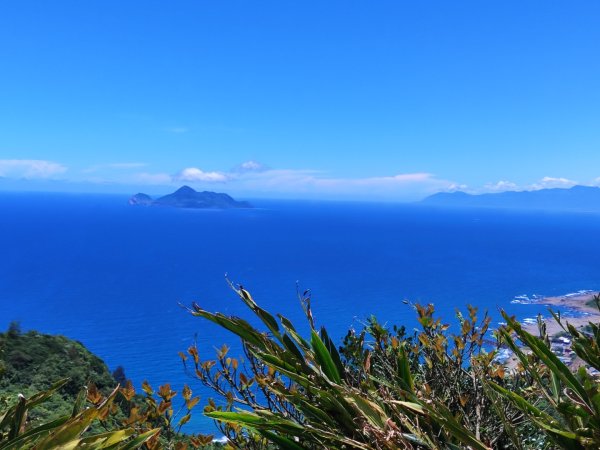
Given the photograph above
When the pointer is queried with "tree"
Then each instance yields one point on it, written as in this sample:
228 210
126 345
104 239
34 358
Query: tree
119 375
14 329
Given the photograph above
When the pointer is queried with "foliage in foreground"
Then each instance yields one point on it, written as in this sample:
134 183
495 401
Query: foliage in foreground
385 389
66 432
36 413
571 416
121 420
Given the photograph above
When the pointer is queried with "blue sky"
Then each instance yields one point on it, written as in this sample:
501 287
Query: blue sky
341 100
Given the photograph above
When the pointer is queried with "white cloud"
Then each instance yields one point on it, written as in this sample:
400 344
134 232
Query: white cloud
501 186
316 184
403 178
193 174
250 166
252 178
30 168
399 180
453 187
257 180
504 185
544 183
551 182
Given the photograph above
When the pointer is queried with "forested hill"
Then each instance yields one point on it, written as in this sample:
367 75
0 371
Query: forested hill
31 362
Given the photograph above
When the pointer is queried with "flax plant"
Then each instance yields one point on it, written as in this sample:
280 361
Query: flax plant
299 394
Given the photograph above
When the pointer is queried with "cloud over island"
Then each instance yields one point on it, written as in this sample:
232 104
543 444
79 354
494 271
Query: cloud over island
193 174
252 178
543 183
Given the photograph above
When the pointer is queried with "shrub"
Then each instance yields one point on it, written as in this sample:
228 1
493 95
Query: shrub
386 389
301 395
66 431
562 403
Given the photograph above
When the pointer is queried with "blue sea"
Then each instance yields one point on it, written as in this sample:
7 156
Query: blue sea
113 276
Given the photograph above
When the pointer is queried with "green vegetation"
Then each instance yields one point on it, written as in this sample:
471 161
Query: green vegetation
570 412
40 409
32 362
385 389
66 431
593 302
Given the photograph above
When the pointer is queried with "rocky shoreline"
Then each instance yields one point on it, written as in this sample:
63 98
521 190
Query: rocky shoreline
579 313
577 303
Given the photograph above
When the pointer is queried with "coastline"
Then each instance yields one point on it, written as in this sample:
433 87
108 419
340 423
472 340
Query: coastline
578 314
574 303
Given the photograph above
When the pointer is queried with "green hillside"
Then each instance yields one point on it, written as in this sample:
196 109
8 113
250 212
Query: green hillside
31 362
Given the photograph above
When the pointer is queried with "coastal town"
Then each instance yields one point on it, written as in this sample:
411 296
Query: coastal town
578 309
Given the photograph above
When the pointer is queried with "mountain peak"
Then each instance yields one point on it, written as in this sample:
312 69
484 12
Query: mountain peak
185 190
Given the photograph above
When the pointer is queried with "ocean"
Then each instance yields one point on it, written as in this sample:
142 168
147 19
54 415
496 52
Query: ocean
114 276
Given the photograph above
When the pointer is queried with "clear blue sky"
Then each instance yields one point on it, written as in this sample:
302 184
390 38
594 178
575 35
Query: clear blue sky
367 100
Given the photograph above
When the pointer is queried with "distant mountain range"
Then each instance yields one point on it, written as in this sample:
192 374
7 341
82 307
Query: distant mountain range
577 198
186 197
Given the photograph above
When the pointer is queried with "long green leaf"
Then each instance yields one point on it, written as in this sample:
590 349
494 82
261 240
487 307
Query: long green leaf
285 368
291 346
263 315
291 330
79 402
509 428
236 325
404 374
445 418
265 420
18 418
140 440
539 348
106 440
538 416
35 400
335 356
525 362
324 358
281 442
69 431
369 410
27 438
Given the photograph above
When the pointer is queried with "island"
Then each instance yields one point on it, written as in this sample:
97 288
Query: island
187 197
140 199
